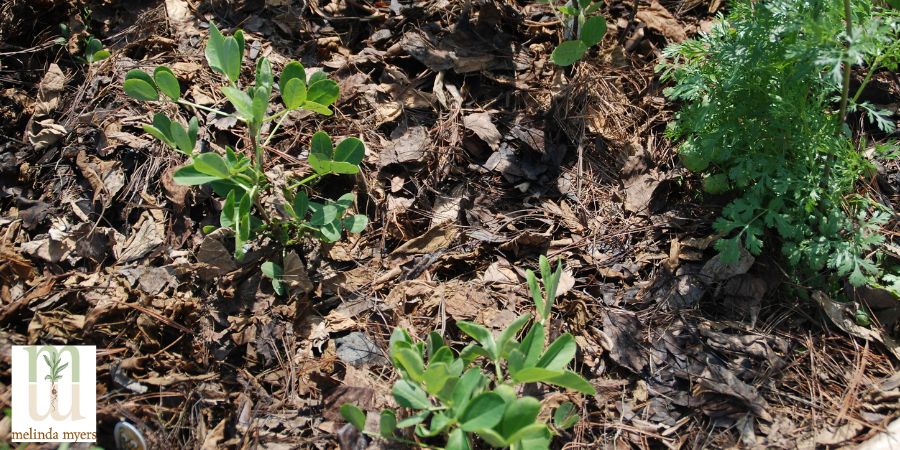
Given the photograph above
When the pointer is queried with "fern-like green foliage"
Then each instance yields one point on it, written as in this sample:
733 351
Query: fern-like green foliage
760 121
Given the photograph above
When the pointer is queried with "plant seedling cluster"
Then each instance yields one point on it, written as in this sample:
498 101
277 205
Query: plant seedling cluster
451 395
239 176
585 23
765 96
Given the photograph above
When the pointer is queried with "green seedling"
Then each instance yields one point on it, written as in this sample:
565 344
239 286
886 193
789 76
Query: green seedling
584 22
453 399
238 176
765 97
53 363
94 51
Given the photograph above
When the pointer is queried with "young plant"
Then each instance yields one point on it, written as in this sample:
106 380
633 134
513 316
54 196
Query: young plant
765 94
239 175
451 395
54 376
94 51
584 24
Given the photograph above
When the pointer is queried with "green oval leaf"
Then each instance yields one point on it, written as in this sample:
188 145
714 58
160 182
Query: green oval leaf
532 345
99 56
510 332
271 270
321 152
436 377
157 133
322 214
242 102
294 93
92 46
228 217
317 108
467 386
409 395
260 103
301 204
190 176
387 424
493 438
231 62
167 82
559 354
182 140
536 436
568 52
136 74
484 411
354 416
140 89
480 334
411 362
316 77
212 164
324 92
292 70
215 49
593 30
355 223
519 414
264 77
193 130
330 232
565 416
458 440
350 150
275 273
563 378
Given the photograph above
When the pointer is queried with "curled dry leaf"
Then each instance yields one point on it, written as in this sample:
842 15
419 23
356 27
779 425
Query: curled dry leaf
659 19
481 125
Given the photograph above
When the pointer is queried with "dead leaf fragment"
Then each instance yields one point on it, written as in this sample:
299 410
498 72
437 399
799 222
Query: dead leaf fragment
481 125
214 437
105 177
213 259
44 134
49 91
715 270
621 330
659 19
147 236
429 242
405 146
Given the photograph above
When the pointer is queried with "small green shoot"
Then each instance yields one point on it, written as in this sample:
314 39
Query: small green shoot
588 25
238 175
451 395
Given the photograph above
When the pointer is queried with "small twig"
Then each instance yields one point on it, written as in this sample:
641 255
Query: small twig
550 23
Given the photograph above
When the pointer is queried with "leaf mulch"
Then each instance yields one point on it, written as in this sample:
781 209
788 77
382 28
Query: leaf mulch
482 155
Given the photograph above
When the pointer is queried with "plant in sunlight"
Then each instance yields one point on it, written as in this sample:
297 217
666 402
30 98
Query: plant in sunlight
765 95
452 397
583 22
238 175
